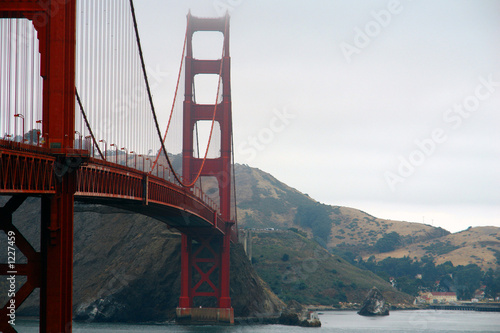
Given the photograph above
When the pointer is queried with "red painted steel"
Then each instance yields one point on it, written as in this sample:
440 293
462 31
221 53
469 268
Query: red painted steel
103 180
31 270
55 22
220 168
60 174
26 172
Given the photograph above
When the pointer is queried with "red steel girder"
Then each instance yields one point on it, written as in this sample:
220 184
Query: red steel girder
31 269
18 9
26 172
217 247
205 275
55 22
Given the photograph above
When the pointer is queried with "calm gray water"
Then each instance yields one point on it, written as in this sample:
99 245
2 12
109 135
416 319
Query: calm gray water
347 321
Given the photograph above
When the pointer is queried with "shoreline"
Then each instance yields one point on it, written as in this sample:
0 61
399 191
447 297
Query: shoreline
356 307
480 307
273 319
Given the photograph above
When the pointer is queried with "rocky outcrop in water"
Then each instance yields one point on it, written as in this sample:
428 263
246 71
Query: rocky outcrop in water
374 304
295 314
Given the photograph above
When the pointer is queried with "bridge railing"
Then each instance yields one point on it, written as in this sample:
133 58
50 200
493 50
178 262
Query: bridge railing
100 178
21 171
133 160
34 168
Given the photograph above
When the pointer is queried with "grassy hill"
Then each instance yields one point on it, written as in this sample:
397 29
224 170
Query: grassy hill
480 246
265 202
298 268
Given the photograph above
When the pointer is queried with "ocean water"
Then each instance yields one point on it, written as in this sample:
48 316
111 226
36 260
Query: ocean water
341 321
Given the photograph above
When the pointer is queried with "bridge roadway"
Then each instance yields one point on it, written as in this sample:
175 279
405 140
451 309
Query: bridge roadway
32 170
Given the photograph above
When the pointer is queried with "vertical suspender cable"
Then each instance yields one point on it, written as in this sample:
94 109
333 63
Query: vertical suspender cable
16 89
122 72
33 78
176 90
85 50
130 68
149 92
98 79
93 59
9 75
2 70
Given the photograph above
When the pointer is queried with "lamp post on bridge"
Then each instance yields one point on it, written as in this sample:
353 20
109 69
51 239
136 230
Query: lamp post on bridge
147 158
142 162
126 155
19 115
105 149
88 138
135 159
38 132
116 152
79 138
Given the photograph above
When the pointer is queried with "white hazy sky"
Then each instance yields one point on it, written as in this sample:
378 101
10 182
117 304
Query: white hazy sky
391 107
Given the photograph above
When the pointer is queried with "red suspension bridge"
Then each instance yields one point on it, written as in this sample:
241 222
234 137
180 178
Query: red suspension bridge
78 122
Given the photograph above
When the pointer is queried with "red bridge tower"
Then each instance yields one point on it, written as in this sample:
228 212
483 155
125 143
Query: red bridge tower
205 252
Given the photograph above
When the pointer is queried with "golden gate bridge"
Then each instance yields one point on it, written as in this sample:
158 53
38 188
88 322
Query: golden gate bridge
78 122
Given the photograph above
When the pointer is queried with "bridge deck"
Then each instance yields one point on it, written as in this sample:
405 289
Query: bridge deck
32 170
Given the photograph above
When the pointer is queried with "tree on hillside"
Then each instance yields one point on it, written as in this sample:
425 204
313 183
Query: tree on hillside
397 267
317 217
446 283
409 285
467 279
389 242
445 268
430 273
492 283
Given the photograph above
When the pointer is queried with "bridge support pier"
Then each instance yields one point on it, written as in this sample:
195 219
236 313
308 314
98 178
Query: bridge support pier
205 273
51 270
204 316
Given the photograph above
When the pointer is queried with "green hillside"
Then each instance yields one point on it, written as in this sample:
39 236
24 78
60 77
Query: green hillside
298 268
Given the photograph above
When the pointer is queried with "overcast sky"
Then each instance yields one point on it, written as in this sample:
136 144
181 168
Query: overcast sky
391 107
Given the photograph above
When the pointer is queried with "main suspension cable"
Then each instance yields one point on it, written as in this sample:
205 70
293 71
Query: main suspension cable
177 178
88 125
149 93
175 95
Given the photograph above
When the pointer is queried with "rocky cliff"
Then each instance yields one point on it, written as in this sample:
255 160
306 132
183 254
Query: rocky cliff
127 268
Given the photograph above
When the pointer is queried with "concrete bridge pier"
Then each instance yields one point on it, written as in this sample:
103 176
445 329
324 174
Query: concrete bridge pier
204 316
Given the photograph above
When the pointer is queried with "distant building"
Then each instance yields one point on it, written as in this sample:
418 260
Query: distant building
438 297
479 294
